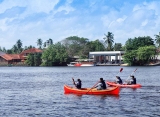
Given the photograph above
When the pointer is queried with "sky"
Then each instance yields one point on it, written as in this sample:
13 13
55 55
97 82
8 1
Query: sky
29 20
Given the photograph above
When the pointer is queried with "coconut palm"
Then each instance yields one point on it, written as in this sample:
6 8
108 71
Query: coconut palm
39 43
15 49
19 45
44 45
50 41
47 43
157 39
109 40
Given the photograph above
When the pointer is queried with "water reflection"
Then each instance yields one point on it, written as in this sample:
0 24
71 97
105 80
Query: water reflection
102 97
73 95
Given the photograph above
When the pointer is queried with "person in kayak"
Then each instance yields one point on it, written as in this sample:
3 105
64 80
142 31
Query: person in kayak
132 81
101 85
119 80
77 84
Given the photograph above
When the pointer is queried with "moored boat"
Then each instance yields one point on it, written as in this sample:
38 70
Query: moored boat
89 91
72 63
79 64
82 62
124 85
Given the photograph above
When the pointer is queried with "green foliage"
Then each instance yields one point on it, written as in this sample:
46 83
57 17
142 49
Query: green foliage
134 44
37 59
30 60
19 46
129 57
157 39
34 59
95 46
54 54
109 40
139 50
39 43
16 49
118 47
140 56
145 53
76 46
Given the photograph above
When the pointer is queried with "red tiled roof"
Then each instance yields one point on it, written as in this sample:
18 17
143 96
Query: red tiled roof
15 56
20 56
32 50
6 57
10 56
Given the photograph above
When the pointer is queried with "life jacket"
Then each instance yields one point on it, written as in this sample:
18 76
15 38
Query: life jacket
133 81
78 85
120 81
103 85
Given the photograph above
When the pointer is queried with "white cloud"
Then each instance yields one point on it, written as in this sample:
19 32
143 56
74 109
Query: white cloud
32 5
40 19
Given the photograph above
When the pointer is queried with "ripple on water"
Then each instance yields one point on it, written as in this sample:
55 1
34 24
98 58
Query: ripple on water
31 92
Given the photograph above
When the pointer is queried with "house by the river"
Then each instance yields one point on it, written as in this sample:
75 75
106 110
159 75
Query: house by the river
16 59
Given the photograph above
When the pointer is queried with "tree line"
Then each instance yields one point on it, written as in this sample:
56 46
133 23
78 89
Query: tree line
139 50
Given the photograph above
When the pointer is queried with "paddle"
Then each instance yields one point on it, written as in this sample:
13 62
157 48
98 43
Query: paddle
120 71
131 75
73 81
92 87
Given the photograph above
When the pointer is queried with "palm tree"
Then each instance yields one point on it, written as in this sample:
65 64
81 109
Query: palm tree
4 49
19 45
44 45
47 43
39 43
15 49
157 39
50 41
109 40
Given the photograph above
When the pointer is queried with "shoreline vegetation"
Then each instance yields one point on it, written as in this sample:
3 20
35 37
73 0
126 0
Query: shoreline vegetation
139 51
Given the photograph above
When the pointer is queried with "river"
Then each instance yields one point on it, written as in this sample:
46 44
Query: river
38 92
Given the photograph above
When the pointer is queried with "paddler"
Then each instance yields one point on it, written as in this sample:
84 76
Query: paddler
77 84
133 80
101 85
119 80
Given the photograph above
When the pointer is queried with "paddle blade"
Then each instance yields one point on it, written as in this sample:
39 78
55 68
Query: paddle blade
135 69
121 70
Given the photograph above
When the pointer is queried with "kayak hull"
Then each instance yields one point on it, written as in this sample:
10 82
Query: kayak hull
124 85
89 91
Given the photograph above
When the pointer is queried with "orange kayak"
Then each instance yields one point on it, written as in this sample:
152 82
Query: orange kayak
89 91
124 85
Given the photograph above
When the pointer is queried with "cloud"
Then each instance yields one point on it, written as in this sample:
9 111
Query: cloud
140 20
29 20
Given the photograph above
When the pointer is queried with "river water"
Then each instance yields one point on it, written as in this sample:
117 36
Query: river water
38 92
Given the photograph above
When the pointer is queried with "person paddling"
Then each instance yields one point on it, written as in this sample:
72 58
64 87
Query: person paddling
101 85
132 81
119 80
77 84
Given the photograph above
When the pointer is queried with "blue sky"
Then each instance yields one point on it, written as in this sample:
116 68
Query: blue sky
29 20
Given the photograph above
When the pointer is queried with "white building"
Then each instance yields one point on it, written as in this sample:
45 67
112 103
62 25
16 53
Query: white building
107 57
